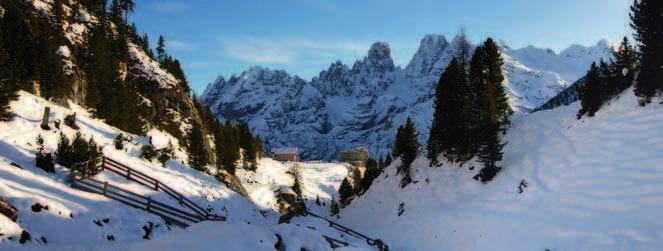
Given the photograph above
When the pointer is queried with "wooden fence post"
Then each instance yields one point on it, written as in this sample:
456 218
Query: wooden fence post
156 186
128 173
105 188
149 201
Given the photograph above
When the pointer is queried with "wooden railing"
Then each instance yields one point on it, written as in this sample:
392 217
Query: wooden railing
373 242
145 180
334 243
168 213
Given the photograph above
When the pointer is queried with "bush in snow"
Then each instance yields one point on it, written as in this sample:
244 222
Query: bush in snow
148 152
43 158
165 154
70 121
118 142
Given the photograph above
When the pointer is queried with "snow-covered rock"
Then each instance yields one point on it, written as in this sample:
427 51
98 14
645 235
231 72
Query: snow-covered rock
345 107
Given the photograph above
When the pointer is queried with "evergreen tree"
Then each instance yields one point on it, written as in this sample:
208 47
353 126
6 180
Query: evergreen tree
64 152
409 149
373 170
625 66
447 130
196 148
345 192
387 160
127 6
646 20
591 92
333 208
161 49
492 107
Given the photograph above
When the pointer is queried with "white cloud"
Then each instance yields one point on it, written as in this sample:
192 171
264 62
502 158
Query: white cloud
288 50
180 45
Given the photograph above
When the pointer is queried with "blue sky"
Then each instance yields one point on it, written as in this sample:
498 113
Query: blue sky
222 37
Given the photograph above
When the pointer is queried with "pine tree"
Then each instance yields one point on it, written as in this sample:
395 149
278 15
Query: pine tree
345 192
494 110
409 150
625 66
127 6
646 20
333 208
449 124
590 93
387 160
64 152
161 49
196 148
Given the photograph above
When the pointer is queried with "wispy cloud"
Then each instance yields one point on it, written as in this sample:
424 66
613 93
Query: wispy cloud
180 45
288 50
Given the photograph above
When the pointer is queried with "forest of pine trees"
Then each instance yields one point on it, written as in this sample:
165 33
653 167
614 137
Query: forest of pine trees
606 80
471 109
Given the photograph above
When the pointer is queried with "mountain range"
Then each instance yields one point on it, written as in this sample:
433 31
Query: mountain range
363 104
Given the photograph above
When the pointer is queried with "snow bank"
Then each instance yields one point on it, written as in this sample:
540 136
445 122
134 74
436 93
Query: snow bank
593 184
151 69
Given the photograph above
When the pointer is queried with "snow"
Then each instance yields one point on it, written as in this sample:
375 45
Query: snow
69 221
68 66
593 184
151 69
319 179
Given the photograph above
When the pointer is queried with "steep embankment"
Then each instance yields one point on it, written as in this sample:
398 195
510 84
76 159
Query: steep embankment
592 184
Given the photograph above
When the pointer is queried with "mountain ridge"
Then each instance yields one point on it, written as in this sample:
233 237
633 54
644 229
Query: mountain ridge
362 105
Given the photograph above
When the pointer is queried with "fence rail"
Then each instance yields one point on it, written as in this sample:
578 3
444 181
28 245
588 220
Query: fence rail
373 242
168 213
145 180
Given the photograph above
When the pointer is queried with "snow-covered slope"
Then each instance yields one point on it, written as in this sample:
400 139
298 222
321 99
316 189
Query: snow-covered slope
364 104
592 184
77 220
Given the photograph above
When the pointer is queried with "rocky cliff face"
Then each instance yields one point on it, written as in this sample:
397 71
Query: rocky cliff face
362 105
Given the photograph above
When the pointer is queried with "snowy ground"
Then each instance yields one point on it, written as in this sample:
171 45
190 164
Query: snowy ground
69 222
593 184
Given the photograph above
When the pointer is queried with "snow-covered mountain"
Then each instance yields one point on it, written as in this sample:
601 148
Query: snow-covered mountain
347 106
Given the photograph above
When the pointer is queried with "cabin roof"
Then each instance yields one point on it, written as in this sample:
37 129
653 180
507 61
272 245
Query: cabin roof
286 150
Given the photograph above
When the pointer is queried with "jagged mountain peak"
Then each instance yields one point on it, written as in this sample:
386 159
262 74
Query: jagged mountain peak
363 105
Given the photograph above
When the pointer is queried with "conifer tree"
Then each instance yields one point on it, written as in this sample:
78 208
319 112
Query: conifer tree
333 208
493 108
196 147
356 180
625 66
387 160
446 135
590 93
345 192
646 20
161 49
409 149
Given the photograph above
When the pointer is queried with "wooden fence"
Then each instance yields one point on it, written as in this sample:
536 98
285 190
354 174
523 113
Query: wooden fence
170 214
373 242
145 180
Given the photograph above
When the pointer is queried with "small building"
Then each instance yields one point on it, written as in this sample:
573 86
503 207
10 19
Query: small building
285 154
357 157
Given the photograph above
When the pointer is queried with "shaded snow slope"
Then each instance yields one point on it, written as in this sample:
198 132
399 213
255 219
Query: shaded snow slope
593 184
69 221
362 104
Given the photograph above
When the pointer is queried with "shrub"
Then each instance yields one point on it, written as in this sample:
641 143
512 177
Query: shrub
43 158
148 152
70 121
165 154
79 151
119 142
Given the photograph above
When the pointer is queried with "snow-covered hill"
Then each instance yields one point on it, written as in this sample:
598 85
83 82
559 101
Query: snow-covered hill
71 219
592 184
363 104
